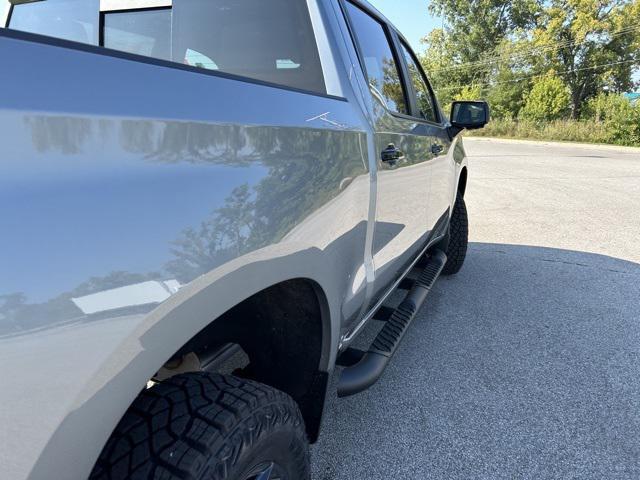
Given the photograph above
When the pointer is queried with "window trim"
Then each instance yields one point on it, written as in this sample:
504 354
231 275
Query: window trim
106 6
402 42
389 35
84 47
322 33
411 92
103 15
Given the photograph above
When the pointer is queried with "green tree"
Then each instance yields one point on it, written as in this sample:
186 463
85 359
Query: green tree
476 28
590 43
619 116
469 92
511 77
606 106
502 45
549 99
437 62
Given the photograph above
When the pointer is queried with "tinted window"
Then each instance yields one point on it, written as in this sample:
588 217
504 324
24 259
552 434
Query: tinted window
144 32
381 67
424 98
267 40
75 20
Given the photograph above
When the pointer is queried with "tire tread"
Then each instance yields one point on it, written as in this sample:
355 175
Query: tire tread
458 238
195 426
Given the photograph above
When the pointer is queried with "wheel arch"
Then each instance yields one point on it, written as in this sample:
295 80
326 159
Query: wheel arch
462 181
163 332
284 330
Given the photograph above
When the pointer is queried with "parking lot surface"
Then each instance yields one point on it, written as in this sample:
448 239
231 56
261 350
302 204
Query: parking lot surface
526 365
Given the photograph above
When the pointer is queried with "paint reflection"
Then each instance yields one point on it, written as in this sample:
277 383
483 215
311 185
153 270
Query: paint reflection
275 180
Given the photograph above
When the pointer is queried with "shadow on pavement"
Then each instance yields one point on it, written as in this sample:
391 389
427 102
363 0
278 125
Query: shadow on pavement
524 365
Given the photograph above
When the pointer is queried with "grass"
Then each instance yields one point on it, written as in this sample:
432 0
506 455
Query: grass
583 131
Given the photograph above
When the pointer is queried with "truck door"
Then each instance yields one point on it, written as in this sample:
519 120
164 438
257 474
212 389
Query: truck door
432 126
403 146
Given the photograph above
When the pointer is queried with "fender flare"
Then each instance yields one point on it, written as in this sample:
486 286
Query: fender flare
159 334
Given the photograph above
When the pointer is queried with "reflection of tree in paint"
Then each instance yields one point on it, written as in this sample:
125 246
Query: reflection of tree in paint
65 134
9 304
220 238
304 173
305 168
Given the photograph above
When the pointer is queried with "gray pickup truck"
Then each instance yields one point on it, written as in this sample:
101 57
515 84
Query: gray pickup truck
202 204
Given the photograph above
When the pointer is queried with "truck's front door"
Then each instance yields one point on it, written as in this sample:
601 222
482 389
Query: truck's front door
403 146
430 125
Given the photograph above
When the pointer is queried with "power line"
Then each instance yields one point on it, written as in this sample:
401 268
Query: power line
486 65
516 80
538 50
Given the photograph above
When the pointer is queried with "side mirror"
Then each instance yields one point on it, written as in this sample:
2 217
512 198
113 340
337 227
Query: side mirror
468 116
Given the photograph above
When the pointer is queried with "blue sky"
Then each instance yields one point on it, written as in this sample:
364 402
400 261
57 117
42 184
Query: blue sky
411 17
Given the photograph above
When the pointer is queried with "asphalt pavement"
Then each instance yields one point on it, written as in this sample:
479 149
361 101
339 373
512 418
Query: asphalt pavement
525 365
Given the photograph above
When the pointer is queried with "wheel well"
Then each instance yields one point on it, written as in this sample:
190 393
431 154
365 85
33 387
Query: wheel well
462 182
284 331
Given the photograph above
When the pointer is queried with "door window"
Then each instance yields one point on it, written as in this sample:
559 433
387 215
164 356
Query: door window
269 40
380 65
424 98
272 40
143 32
75 20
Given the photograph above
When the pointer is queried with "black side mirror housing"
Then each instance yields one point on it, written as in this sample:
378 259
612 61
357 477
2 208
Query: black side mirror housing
468 116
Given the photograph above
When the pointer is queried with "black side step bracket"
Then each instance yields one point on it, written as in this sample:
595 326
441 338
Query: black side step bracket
360 376
384 313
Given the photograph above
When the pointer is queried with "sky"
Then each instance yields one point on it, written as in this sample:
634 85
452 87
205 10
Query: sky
411 17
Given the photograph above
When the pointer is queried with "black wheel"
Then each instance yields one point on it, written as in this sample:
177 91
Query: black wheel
208 427
458 238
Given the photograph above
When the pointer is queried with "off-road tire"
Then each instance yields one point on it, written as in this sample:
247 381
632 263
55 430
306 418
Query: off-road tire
204 426
458 238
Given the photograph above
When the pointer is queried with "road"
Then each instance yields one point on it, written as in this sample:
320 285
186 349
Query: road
526 365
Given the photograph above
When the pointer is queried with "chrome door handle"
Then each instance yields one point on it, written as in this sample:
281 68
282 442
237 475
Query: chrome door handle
392 154
437 149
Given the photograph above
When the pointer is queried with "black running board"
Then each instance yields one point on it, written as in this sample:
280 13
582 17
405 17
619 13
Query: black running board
369 369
